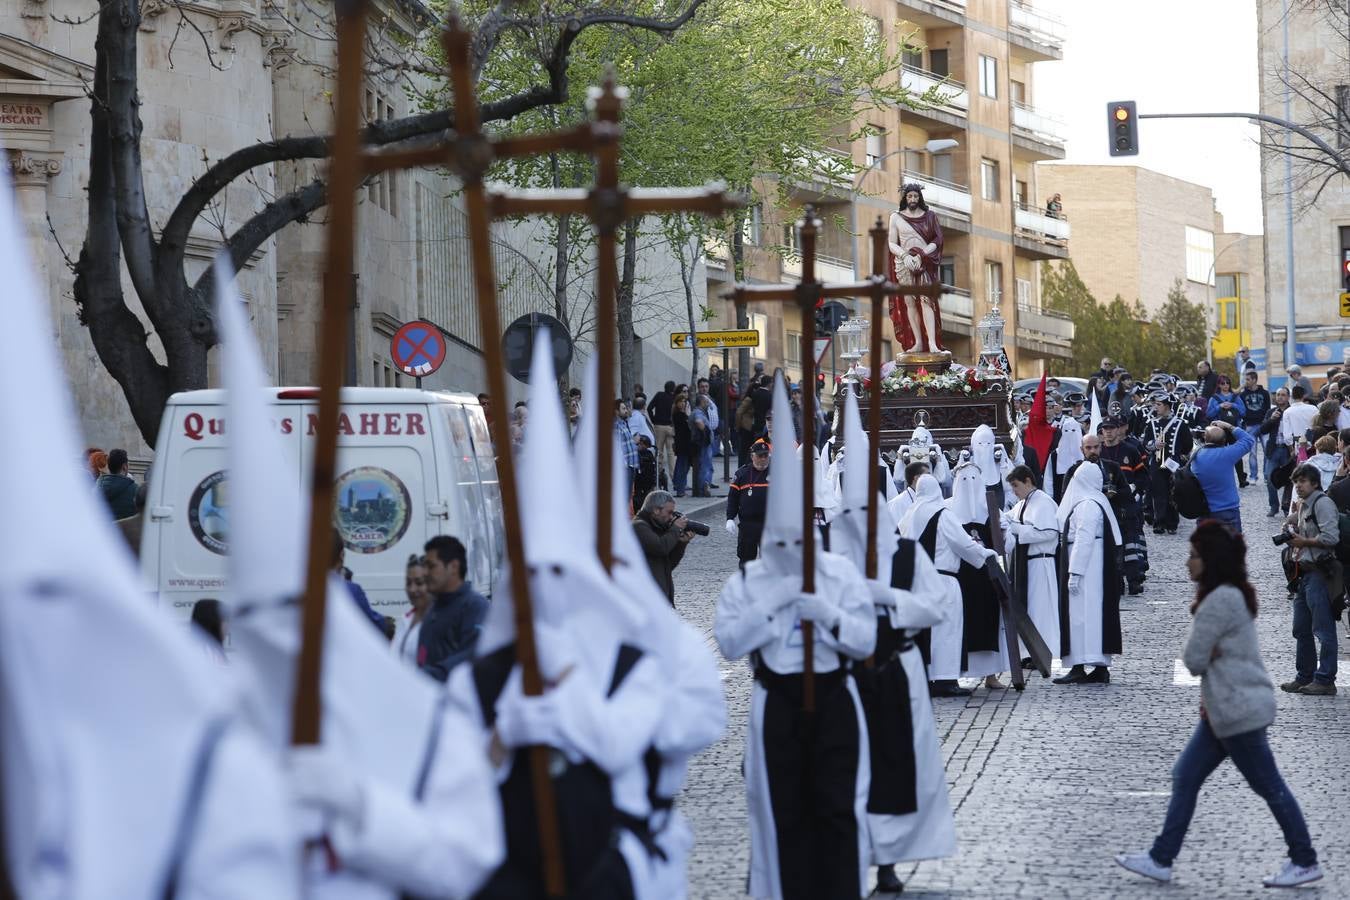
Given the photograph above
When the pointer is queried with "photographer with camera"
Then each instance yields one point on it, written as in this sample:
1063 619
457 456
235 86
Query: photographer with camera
1312 533
664 535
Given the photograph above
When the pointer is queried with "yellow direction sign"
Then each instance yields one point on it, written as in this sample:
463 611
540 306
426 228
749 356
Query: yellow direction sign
682 340
1345 306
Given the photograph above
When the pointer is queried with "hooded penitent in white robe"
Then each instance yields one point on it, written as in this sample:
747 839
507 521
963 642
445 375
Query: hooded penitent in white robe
984 639
429 822
950 544
909 811
129 768
605 682
1068 451
1032 539
693 706
817 844
1090 630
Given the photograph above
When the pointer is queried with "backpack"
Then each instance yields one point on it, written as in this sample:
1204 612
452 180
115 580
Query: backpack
745 413
1187 494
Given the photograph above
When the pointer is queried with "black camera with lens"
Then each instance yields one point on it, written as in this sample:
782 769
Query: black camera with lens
1279 540
697 528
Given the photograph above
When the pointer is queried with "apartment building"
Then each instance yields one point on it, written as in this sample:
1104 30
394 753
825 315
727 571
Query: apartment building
1307 228
984 189
1137 232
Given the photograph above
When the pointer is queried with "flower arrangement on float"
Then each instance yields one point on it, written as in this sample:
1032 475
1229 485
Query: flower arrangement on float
960 381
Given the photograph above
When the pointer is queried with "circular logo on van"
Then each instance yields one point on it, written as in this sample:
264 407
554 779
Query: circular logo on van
209 513
372 509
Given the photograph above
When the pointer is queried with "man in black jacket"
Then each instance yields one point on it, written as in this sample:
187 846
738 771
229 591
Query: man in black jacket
748 501
118 490
1256 401
451 627
661 532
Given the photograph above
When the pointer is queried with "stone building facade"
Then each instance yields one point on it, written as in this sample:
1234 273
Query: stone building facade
218 75
1310 38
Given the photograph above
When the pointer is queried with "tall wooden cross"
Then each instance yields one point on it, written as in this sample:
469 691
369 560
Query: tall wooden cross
809 295
469 153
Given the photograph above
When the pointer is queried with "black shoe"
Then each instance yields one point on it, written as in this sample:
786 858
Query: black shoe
1272 514
1243 484
947 688
887 883
1171 531
1099 675
1028 663
1136 588
1074 676
1159 530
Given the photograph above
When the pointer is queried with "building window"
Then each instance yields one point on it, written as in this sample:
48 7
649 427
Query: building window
1228 285
947 271
938 63
1017 90
753 230
993 282
1020 193
989 179
887 351
876 145
1342 116
383 189
872 34
1023 293
989 77
912 57
759 322
1230 315
1199 255
792 350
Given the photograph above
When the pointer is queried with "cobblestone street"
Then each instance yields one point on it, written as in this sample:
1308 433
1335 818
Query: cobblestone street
1050 784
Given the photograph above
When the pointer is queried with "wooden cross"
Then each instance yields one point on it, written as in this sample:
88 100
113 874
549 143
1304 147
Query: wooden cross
469 153
810 294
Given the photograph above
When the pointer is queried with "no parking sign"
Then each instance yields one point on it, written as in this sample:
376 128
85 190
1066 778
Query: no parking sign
418 349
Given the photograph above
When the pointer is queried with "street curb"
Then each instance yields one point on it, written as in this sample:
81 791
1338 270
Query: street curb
701 505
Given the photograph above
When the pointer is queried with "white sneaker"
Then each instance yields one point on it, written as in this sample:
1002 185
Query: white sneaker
1292 876
1143 864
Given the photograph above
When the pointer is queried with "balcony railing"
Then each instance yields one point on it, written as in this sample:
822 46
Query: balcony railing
828 268
953 93
957 302
1043 127
831 165
943 195
1036 25
1040 226
1055 326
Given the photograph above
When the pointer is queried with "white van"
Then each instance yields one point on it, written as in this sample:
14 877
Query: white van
412 464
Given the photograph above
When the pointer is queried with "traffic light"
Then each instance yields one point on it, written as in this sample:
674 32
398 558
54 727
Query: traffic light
1123 128
829 316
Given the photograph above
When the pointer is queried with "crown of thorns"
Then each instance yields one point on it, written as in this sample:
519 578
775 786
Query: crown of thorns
912 186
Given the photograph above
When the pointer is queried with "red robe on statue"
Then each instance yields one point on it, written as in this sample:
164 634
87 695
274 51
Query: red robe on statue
922 231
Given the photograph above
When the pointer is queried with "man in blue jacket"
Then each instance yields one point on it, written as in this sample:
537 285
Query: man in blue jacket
452 625
1214 466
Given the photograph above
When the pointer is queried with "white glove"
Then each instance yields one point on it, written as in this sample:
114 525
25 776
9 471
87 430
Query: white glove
817 609
732 527
882 594
1075 583
526 721
990 553
322 783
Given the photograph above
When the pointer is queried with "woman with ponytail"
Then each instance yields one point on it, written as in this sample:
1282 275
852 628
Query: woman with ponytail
1237 705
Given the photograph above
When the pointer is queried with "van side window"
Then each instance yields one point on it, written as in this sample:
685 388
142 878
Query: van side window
477 499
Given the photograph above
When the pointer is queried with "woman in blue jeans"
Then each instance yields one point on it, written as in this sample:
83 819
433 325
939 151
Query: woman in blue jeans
1237 705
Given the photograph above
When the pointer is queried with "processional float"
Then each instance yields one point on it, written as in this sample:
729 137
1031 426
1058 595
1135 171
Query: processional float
468 152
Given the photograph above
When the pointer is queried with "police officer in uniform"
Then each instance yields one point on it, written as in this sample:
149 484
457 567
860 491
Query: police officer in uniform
1123 451
747 502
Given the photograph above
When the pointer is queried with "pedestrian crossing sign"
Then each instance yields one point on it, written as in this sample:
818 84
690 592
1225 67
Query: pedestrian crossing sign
1345 305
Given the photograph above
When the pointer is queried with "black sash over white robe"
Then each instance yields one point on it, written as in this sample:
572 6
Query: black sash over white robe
1035 569
1089 619
982 634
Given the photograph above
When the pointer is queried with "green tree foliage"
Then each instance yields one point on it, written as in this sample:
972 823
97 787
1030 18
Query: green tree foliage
1118 330
1180 333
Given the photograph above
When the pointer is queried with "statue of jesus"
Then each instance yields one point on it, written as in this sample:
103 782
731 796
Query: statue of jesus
915 240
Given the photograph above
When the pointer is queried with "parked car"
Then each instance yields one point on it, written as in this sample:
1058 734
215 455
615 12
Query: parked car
412 464
1066 385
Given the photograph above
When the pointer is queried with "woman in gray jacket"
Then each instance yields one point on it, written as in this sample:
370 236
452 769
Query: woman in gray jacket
1237 705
